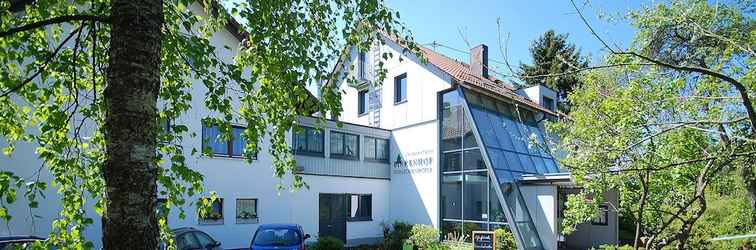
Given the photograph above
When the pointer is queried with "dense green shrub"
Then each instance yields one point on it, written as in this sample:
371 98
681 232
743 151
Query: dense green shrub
456 245
613 247
505 239
423 236
395 235
327 243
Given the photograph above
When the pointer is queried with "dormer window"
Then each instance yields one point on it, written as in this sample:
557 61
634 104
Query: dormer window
548 103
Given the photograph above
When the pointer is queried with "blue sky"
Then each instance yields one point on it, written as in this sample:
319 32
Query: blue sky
442 21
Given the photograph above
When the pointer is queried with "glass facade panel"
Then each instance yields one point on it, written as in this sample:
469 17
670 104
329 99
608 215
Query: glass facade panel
466 198
451 230
468 228
451 196
476 196
469 140
506 129
469 195
452 125
520 215
551 165
495 210
452 161
485 128
473 160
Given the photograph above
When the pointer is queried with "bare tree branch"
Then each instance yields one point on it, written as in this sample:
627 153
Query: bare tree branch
54 20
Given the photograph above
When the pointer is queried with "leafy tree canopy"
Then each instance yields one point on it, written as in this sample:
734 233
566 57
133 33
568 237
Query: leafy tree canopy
668 123
55 55
554 56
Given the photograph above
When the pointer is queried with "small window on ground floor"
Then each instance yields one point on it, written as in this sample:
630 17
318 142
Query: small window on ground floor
360 207
246 211
214 215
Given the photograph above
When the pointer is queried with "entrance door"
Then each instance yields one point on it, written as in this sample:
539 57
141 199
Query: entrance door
333 216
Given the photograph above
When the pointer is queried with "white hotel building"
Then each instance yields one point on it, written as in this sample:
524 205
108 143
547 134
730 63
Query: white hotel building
440 143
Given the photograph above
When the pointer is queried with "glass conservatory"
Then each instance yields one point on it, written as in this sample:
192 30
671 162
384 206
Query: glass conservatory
487 145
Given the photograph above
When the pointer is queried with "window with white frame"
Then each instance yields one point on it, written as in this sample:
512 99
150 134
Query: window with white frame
246 211
214 215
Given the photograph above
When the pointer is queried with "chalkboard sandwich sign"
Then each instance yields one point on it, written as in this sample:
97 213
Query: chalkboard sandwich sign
484 240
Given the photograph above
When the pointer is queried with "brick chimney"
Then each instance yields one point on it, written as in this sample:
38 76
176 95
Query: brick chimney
479 60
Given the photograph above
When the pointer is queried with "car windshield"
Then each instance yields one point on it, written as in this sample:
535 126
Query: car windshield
277 237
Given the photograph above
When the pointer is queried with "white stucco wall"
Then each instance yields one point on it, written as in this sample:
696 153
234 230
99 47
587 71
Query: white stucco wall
542 205
536 94
423 83
229 178
414 189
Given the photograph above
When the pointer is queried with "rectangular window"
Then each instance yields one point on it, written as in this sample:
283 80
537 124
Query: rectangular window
360 207
361 66
344 146
215 214
548 103
602 219
400 88
233 147
246 211
376 149
309 141
362 102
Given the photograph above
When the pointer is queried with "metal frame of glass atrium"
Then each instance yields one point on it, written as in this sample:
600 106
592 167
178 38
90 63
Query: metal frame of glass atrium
486 146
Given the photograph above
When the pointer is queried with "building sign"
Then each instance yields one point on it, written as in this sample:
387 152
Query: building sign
484 240
420 162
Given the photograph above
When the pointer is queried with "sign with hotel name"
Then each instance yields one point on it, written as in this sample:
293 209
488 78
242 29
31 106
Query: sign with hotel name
484 240
420 162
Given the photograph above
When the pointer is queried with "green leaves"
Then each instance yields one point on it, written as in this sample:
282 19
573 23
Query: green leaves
661 137
261 82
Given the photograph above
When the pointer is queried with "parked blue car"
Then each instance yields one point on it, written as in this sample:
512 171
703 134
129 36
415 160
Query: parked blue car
279 237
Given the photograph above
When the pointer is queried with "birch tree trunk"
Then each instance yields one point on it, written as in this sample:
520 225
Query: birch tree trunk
130 171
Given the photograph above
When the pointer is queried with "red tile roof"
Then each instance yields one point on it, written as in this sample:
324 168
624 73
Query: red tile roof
461 72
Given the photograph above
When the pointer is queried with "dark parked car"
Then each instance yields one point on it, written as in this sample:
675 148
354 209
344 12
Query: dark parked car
189 238
279 237
15 242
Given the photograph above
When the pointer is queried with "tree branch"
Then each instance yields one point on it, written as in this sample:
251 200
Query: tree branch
44 66
54 20
742 90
